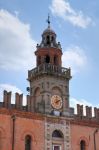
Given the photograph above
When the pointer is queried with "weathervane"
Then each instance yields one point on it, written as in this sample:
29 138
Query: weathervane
48 21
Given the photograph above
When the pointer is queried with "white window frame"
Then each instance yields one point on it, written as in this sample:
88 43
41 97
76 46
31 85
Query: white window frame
57 145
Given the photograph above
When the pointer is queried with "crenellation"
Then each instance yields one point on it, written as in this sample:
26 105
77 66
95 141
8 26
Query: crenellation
7 99
88 112
96 113
80 110
30 106
18 100
30 103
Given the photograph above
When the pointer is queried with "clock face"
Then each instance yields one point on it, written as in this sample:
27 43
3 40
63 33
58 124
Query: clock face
56 102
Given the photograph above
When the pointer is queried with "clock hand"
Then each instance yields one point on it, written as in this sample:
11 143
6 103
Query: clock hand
57 101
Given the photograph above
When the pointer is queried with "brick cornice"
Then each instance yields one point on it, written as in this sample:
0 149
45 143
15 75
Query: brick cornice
48 118
89 123
22 114
32 115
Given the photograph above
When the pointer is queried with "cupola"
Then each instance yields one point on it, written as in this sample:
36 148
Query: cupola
49 50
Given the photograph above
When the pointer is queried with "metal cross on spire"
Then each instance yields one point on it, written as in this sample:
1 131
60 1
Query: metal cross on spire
48 21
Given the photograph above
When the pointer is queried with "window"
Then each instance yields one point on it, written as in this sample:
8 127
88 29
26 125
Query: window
48 39
56 147
52 38
47 59
57 134
82 145
58 138
28 142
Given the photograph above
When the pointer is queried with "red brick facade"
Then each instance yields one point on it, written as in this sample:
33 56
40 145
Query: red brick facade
40 125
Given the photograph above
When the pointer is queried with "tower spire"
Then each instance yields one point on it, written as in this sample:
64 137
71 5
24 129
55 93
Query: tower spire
48 21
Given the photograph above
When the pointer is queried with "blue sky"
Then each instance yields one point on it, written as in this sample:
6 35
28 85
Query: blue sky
76 24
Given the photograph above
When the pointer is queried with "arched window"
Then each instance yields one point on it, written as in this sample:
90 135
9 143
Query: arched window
28 142
48 39
57 134
58 140
82 145
47 59
52 38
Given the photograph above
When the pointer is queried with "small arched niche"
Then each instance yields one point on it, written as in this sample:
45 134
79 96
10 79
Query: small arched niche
82 145
28 140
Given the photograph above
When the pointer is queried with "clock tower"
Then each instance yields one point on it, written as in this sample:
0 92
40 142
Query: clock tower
49 81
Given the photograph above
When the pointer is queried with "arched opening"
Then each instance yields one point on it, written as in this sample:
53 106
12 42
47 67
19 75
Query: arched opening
57 134
82 145
47 59
28 142
48 39
52 39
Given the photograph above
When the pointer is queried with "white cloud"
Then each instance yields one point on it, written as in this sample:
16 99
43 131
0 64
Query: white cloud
75 58
16 44
64 10
74 102
13 89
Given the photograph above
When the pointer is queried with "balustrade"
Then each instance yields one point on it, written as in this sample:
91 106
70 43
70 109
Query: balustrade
50 69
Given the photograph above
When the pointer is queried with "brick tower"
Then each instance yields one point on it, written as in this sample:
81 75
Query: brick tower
49 81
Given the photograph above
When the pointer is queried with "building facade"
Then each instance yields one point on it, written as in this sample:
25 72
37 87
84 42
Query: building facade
47 122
